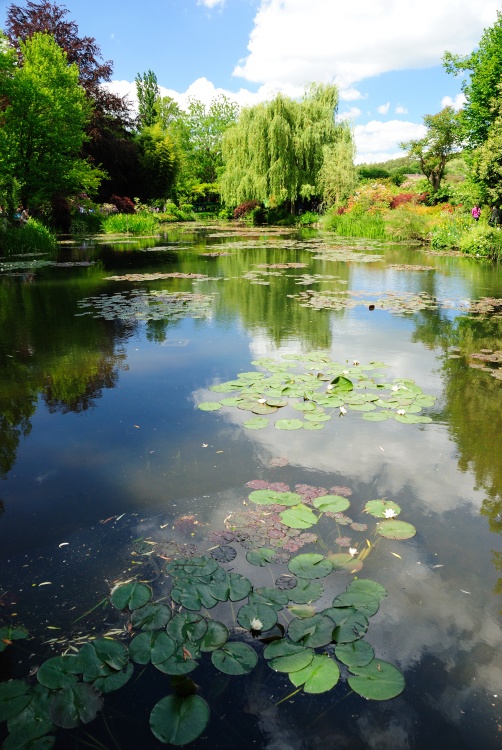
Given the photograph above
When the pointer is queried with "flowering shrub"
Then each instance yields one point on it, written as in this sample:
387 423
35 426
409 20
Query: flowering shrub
245 208
409 222
371 199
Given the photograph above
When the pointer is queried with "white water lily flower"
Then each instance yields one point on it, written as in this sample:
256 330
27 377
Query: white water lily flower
401 412
395 388
345 372
390 513
343 411
256 624
356 362
352 551
262 400
329 387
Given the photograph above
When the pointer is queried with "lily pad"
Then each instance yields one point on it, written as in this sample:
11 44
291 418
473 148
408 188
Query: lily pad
187 626
331 503
341 383
379 508
255 423
151 616
14 697
298 517
193 595
151 645
289 424
235 658
225 553
321 675
114 680
378 680
75 704
233 586
360 600
355 654
131 595
312 631
350 624
59 671
260 557
178 720
371 587
209 406
265 497
396 529
344 563
276 598
310 565
216 636
285 656
10 633
306 591
250 613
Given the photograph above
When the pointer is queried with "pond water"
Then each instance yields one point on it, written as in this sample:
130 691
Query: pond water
110 468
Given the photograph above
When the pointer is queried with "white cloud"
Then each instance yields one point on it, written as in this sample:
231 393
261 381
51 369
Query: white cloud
400 110
294 42
456 103
350 95
383 108
379 141
211 3
351 114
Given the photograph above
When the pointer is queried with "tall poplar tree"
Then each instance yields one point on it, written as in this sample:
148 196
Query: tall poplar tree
148 93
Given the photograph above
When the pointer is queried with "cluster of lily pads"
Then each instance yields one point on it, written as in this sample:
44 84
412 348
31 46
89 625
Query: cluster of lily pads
397 302
139 305
323 389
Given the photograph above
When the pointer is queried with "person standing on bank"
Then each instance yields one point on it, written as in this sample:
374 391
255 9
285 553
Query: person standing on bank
496 217
476 212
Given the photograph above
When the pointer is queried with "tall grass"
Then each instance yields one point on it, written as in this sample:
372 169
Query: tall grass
370 226
32 237
482 241
143 223
448 232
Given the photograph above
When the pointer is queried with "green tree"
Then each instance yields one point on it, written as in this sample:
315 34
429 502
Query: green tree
148 93
486 160
338 174
158 162
43 124
485 70
276 151
440 144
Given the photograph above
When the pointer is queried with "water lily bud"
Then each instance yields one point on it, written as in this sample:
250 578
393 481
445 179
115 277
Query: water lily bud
352 551
256 624
343 411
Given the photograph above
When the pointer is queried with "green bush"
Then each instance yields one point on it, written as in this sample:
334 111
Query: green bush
28 238
371 226
89 223
448 232
484 241
144 223
407 222
308 218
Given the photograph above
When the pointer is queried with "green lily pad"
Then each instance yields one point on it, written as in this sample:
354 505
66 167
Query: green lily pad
285 656
312 631
180 662
216 636
344 563
256 423
396 529
100 657
378 508
233 586
371 587
341 383
355 654
114 680
276 598
254 612
177 720
306 591
11 633
199 566
131 595
151 644
331 503
263 409
14 697
321 675
304 406
151 616
269 497
193 595
310 565
209 406
278 402
350 623
378 416
187 626
313 426
360 600
75 704
231 401
378 680
412 419
289 424
235 658
260 556
298 517
59 671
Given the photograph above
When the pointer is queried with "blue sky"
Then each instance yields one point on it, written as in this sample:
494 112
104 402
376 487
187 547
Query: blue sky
385 55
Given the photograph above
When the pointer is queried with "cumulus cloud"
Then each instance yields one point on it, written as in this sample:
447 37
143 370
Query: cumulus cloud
379 141
351 114
383 108
456 103
294 42
400 110
211 3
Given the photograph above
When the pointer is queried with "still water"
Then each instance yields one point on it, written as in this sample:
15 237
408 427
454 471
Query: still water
103 446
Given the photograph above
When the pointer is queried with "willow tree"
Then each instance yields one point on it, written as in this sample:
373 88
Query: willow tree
338 175
276 150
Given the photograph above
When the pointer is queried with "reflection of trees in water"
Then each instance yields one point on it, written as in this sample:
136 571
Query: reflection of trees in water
2 506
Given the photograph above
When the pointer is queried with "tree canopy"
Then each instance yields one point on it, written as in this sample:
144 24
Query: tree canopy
276 150
148 93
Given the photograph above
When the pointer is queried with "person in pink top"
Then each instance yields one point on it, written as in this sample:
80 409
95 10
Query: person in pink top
476 212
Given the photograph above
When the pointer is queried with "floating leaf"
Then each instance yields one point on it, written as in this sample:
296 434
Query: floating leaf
235 658
14 697
298 517
312 631
75 704
266 614
355 654
412 419
371 587
260 556
224 553
276 598
378 680
396 529
289 424
306 591
285 582
59 671
193 594
285 656
310 565
331 503
216 636
344 563
360 600
341 383
151 645
256 423
178 720
233 586
130 595
151 616
114 680
264 497
321 675
187 626
379 508
350 624
10 633
209 406
180 662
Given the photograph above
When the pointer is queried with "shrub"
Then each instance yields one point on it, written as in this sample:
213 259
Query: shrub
308 218
131 224
88 223
31 237
408 222
482 241
245 208
124 204
448 231
370 199
401 198
371 226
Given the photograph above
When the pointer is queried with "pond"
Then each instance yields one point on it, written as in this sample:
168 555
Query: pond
173 411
